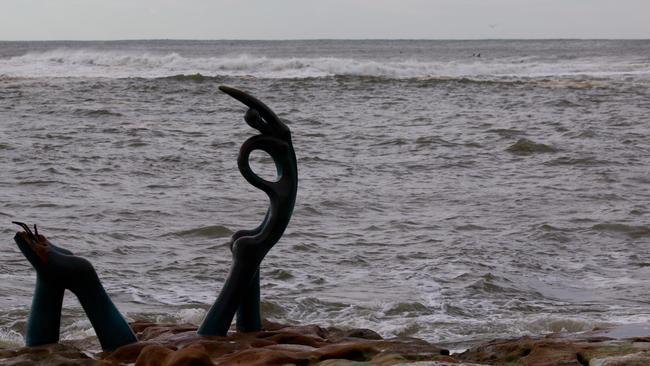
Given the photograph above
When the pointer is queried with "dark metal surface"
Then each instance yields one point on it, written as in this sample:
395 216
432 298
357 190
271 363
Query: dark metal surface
241 292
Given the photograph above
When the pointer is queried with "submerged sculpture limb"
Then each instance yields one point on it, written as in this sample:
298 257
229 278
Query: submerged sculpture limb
241 292
45 314
58 269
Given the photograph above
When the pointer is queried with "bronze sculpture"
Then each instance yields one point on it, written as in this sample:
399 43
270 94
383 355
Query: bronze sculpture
58 269
242 288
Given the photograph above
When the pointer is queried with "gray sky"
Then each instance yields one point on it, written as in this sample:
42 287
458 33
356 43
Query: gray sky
300 19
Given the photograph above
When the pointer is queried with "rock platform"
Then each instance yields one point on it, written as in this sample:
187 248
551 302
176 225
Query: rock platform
179 345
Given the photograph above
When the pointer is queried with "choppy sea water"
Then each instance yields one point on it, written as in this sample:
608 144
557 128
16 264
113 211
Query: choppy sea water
442 195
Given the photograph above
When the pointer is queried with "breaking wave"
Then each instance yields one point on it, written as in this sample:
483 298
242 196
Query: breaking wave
123 64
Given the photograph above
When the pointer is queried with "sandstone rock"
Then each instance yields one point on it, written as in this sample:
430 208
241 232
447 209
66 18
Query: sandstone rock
152 355
194 355
48 355
595 348
130 352
179 345
411 348
635 359
263 356
335 334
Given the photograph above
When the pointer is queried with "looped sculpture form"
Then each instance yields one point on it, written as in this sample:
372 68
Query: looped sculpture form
59 269
241 292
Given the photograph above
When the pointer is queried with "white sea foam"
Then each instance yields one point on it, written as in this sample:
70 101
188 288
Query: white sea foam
78 329
10 338
121 64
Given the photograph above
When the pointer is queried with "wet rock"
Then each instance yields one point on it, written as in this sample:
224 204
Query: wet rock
363 334
48 355
615 346
194 355
130 352
526 147
152 355
412 349
635 359
336 334
179 345
523 351
284 337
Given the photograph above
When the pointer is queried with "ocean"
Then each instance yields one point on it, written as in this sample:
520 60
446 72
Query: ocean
456 191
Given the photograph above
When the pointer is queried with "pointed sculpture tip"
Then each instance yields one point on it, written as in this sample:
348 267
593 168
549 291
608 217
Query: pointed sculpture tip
25 227
230 91
241 96
21 224
226 89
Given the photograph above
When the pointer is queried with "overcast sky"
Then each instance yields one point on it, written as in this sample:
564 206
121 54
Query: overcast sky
300 19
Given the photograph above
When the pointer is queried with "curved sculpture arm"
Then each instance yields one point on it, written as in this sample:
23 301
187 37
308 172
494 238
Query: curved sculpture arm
275 139
281 192
259 116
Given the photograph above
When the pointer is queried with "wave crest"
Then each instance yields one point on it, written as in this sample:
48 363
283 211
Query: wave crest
123 64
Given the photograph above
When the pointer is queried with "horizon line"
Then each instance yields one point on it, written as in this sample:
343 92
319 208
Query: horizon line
321 39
